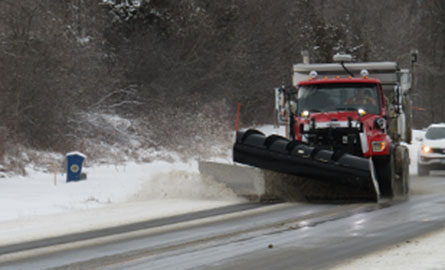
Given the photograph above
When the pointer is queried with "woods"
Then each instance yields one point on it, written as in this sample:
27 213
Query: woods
177 69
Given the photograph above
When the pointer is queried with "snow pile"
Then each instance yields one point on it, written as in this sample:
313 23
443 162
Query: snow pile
182 184
37 193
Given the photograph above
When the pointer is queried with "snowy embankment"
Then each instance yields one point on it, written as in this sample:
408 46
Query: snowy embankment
38 194
36 206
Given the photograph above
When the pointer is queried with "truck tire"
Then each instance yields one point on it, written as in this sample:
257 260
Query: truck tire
386 174
422 170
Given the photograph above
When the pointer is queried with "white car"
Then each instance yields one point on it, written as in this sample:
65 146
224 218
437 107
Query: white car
432 150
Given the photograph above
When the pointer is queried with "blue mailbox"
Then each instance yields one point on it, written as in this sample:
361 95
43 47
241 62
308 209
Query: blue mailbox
74 166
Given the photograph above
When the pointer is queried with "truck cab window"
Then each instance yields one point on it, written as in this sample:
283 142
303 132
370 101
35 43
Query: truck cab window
332 97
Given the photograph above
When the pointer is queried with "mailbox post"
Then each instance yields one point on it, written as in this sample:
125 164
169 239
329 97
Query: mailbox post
74 166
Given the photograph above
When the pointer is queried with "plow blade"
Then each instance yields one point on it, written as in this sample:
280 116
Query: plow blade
335 169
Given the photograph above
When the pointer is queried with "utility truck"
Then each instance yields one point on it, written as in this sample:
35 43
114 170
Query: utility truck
347 123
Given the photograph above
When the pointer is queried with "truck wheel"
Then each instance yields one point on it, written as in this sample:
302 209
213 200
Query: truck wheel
386 174
422 170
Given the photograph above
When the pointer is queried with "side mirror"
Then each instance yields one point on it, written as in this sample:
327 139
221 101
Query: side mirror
419 139
293 106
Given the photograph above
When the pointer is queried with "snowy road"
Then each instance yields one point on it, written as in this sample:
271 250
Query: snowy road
284 236
68 238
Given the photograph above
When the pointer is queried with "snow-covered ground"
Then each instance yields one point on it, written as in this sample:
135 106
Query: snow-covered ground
37 194
421 253
36 206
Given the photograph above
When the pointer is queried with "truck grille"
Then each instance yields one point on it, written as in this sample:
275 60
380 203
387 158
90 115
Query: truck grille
336 139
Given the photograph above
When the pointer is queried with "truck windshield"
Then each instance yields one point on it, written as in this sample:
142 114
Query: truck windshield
338 97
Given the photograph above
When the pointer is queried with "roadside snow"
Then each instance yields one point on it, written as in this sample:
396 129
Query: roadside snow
37 194
34 207
421 253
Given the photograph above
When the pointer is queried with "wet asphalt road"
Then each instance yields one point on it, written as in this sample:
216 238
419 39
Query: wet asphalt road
284 236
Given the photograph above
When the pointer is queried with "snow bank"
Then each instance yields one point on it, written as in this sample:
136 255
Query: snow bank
36 194
33 207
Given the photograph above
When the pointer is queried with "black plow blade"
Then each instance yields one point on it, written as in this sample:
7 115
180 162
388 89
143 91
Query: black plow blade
279 154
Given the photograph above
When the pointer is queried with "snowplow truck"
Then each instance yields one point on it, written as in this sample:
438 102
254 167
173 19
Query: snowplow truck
347 124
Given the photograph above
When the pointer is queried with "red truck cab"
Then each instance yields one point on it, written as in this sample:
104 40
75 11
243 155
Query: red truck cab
342 127
346 114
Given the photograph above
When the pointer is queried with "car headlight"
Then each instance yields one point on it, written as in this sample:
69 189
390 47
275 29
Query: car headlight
426 149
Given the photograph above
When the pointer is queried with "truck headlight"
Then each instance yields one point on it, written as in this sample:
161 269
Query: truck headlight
378 146
426 149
